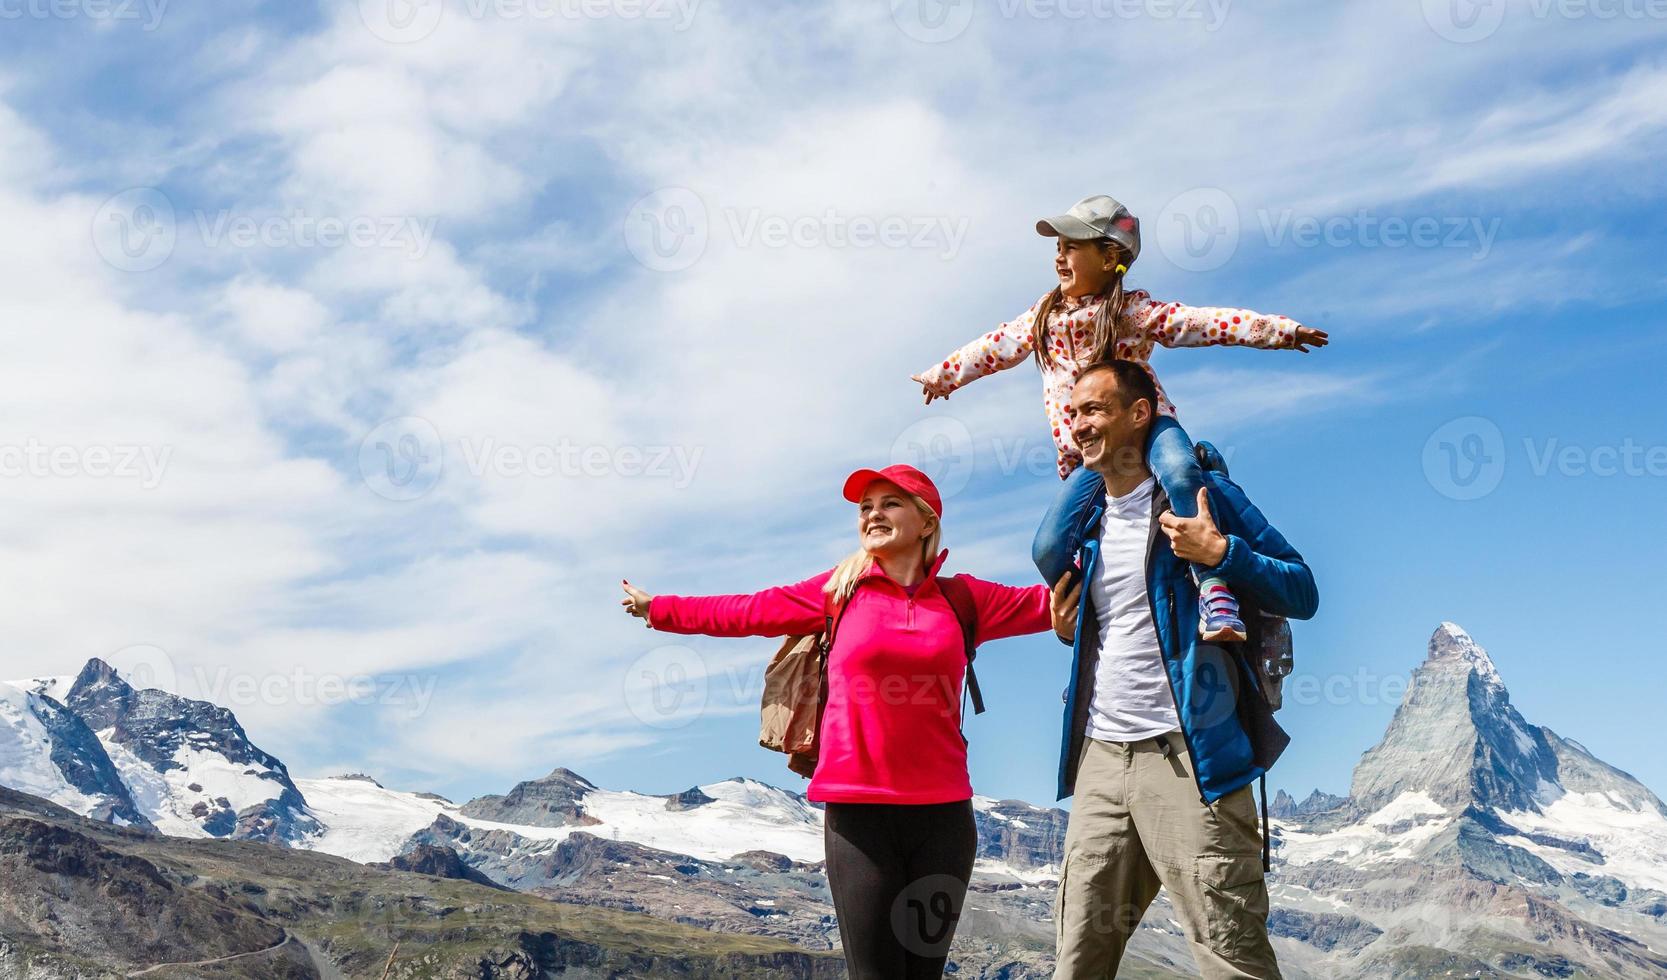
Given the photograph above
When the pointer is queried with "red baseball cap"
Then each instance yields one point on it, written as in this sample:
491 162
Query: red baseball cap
902 474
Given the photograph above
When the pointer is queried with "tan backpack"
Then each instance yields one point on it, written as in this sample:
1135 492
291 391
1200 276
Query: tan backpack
796 682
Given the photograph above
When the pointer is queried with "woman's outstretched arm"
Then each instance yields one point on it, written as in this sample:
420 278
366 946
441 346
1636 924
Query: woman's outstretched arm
785 610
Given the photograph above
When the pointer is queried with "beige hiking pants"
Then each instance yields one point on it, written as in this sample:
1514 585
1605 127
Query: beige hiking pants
1137 823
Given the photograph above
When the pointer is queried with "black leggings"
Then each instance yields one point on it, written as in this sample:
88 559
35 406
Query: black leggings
899 875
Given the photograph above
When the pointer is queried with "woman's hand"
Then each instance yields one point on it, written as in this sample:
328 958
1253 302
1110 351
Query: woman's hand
636 602
926 388
1065 605
1309 337
1195 539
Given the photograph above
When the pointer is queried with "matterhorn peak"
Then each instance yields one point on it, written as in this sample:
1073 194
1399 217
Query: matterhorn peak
1456 739
1451 644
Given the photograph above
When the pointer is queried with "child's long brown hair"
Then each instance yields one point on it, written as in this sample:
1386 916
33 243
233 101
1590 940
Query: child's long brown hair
1108 316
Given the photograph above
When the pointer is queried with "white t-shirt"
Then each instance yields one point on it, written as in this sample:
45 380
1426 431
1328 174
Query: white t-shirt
1132 699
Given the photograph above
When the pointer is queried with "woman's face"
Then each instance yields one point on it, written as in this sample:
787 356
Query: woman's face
1084 268
888 522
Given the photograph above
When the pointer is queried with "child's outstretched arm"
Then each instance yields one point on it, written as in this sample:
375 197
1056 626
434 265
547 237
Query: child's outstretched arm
1177 325
1006 346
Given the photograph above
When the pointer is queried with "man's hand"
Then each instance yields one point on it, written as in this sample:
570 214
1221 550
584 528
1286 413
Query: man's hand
1196 539
1309 337
1066 595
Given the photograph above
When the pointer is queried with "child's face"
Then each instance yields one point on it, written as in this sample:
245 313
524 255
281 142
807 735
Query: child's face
1084 268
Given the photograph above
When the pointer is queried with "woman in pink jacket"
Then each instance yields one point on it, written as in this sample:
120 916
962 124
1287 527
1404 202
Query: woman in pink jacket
892 768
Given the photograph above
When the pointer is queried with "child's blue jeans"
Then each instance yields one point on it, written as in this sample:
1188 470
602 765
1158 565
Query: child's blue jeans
1170 456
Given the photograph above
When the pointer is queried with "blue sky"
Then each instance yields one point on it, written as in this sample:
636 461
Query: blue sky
434 321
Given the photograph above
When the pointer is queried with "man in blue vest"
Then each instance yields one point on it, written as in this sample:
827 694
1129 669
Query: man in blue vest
1158 747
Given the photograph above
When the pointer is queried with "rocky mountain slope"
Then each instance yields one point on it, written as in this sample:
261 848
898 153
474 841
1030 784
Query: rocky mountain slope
1472 842
85 899
47 750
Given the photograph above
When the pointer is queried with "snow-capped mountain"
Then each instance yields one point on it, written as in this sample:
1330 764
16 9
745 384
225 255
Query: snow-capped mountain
47 751
1475 841
188 764
1472 842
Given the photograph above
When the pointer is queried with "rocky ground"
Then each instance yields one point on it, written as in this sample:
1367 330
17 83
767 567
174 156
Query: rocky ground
87 900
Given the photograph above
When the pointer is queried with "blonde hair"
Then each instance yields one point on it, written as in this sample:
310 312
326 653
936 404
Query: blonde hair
857 563
1108 315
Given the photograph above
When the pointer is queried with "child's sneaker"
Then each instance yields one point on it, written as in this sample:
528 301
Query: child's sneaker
1218 613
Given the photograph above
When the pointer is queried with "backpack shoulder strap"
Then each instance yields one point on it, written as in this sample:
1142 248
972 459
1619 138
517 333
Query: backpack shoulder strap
959 594
835 612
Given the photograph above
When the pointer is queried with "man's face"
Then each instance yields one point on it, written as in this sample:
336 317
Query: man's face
1111 435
